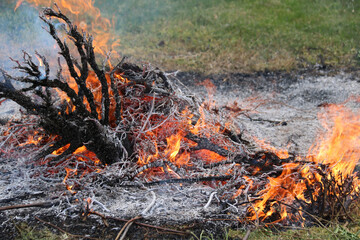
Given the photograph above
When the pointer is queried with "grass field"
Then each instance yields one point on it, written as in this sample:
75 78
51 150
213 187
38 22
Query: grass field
238 35
217 36
333 232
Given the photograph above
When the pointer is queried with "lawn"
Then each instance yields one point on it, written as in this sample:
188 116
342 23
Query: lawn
221 36
238 36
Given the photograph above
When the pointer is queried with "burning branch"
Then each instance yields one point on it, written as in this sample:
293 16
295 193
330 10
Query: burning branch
82 119
138 118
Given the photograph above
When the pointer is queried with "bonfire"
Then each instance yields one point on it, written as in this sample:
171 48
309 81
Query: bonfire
94 124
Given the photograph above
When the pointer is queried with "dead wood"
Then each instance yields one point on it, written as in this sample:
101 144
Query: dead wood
187 180
84 121
168 230
163 164
122 233
40 204
204 143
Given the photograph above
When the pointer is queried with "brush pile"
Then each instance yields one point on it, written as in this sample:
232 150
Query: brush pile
138 127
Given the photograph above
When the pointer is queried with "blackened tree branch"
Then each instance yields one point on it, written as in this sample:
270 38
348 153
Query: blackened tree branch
115 90
204 143
80 42
75 121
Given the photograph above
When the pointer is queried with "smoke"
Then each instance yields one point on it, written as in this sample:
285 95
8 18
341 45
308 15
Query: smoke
22 30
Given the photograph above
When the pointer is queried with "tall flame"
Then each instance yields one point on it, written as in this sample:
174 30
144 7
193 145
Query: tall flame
84 13
338 148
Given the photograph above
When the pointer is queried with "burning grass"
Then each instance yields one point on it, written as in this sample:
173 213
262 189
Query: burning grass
136 127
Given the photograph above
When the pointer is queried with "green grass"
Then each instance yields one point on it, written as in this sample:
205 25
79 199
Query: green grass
27 232
345 231
215 36
242 35
337 232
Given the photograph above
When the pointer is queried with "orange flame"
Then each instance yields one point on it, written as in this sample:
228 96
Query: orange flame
338 148
281 153
19 2
81 10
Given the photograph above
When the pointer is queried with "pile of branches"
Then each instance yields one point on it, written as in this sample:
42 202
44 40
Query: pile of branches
327 196
83 120
115 123
335 195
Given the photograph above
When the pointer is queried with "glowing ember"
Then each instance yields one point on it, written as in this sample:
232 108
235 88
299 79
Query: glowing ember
161 129
281 153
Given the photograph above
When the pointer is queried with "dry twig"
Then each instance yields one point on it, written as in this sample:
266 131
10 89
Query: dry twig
41 204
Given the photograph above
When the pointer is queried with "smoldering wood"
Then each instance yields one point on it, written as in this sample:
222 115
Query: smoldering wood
204 143
85 126
163 164
116 92
81 127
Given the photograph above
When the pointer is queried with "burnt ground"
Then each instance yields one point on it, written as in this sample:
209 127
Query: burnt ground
280 107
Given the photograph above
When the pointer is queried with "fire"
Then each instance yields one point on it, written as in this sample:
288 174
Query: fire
18 3
165 139
177 147
338 149
81 11
340 146
41 63
173 148
73 166
281 153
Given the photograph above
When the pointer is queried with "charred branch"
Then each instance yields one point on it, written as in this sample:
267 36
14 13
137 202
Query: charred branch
81 120
66 153
40 204
76 122
80 42
191 180
27 195
177 180
204 143
115 91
